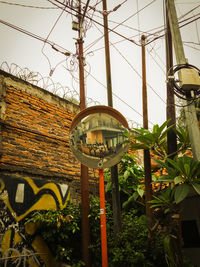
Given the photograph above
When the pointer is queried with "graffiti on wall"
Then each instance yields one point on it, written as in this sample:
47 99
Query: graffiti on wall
20 246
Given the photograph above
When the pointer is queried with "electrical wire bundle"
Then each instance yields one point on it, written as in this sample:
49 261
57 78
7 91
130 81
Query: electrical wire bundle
189 94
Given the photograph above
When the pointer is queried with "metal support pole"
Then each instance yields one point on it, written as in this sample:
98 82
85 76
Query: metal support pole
104 252
147 157
190 112
114 169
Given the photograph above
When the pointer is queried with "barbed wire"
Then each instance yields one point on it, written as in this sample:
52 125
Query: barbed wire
46 83
133 124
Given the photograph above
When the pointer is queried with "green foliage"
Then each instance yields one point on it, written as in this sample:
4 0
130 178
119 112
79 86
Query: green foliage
131 247
183 140
164 201
61 231
184 172
155 140
165 211
94 216
131 182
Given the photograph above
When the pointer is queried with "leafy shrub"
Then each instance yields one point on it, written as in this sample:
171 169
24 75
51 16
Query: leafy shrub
95 246
132 248
131 183
61 231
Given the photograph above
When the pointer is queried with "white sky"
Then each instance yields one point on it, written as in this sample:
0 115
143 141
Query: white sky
25 51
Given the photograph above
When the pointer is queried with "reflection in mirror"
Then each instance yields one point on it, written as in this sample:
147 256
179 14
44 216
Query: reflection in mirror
98 141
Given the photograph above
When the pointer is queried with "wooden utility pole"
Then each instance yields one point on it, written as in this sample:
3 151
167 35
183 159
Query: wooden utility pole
84 170
190 112
107 55
170 111
114 169
147 157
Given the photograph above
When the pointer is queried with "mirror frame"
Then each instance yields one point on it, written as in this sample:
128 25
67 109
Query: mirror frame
104 110
99 109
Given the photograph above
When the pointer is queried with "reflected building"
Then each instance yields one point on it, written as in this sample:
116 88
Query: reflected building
99 136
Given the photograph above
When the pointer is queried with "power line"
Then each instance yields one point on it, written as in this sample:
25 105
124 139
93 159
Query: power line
115 95
124 25
191 43
138 73
29 6
191 46
153 58
42 50
148 34
39 38
164 29
181 26
106 12
111 30
55 46
135 70
189 12
121 23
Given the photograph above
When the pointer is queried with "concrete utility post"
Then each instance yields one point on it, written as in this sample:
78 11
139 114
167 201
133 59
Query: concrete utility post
190 112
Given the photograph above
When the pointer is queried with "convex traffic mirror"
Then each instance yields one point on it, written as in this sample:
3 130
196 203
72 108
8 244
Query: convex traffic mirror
97 137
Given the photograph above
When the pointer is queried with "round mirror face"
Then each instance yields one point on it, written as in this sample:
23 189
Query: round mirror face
97 141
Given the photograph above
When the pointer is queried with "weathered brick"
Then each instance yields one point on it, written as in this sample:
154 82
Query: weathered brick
35 133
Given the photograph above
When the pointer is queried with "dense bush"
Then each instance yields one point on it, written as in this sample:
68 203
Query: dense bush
132 247
62 232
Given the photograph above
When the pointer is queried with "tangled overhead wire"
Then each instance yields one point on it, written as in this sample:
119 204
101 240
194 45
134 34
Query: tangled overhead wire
191 93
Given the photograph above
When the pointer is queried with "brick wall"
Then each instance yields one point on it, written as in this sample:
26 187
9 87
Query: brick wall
34 133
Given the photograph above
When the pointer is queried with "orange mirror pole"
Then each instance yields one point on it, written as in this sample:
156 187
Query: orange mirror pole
103 219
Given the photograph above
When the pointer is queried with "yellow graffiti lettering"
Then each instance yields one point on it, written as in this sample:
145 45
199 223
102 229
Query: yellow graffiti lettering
50 186
31 227
6 241
17 238
2 185
40 246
